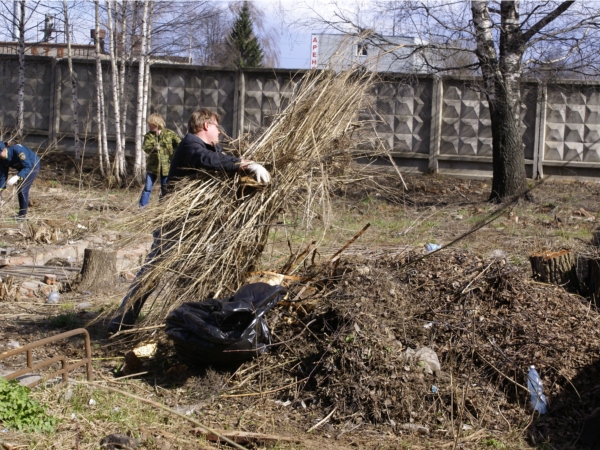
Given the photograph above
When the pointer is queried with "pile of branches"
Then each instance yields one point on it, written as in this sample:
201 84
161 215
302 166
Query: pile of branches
215 228
342 347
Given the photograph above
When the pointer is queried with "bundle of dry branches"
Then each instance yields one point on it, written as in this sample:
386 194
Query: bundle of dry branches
215 228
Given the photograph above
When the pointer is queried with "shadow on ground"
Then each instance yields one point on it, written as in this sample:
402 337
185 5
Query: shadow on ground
573 421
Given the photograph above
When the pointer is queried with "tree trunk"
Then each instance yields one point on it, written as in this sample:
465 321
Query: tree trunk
21 93
146 84
556 268
502 79
123 87
99 270
119 154
73 79
137 167
508 156
100 116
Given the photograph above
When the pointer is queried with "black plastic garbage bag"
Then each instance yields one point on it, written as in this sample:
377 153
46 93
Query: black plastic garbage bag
229 330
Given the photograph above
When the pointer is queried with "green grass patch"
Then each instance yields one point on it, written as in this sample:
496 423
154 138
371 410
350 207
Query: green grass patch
18 410
68 321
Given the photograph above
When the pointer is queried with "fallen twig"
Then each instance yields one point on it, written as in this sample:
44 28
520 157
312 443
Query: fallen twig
254 394
356 236
136 330
314 427
163 407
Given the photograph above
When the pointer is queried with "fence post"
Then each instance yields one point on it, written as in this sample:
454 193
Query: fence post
540 131
235 132
437 95
241 102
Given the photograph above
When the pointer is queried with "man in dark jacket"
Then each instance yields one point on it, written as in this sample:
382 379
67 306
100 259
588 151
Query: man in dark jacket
27 162
198 151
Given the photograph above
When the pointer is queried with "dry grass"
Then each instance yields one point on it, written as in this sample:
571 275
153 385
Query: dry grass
214 229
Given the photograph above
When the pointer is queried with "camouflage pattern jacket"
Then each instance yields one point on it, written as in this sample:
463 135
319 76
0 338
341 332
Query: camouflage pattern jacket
160 151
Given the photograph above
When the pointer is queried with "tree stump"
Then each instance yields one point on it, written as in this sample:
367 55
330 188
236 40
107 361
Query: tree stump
594 279
556 268
99 270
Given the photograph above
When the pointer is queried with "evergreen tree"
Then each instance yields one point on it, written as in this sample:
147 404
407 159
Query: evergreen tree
247 51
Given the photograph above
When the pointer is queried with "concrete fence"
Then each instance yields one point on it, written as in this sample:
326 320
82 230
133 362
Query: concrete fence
429 124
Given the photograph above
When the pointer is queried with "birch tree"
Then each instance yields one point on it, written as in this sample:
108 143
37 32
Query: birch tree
73 78
103 157
21 82
119 157
147 79
16 18
137 167
125 62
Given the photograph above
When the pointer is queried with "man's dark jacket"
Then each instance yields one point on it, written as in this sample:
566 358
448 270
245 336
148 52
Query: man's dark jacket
21 158
194 154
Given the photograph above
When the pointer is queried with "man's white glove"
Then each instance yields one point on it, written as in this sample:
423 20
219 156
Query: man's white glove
12 180
262 175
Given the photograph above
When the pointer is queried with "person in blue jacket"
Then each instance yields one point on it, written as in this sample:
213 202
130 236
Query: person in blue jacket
198 151
27 163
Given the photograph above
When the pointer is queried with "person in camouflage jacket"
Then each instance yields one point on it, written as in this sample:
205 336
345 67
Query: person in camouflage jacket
159 144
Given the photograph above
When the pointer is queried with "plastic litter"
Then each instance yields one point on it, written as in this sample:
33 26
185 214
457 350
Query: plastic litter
425 357
432 247
536 390
434 389
498 254
53 297
224 331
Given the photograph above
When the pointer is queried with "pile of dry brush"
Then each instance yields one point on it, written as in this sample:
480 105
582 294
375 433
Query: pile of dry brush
215 228
340 342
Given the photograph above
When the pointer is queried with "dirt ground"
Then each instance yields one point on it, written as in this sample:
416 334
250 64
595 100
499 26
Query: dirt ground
339 346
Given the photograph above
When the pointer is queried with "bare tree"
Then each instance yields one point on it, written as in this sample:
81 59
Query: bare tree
16 18
21 94
103 157
125 62
73 78
137 166
119 158
501 41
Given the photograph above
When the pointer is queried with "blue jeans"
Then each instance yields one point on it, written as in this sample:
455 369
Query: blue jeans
23 190
150 180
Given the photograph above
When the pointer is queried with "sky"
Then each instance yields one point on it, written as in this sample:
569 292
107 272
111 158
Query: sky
291 19
294 38
295 51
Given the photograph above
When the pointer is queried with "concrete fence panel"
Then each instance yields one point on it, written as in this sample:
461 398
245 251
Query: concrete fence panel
429 124
38 93
264 93
178 91
572 130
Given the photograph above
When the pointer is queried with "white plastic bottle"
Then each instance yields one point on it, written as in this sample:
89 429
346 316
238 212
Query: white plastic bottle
534 384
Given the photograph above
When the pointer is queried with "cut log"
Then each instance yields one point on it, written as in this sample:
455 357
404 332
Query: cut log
99 270
556 268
